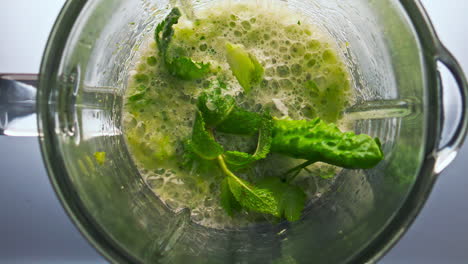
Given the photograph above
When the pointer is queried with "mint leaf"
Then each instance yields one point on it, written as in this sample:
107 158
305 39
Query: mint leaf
181 67
215 107
238 159
241 122
264 138
186 69
241 159
164 31
316 140
228 201
251 197
192 162
274 184
222 112
291 199
203 143
244 66
292 203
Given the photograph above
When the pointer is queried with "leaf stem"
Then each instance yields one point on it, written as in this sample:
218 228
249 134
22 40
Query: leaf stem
291 178
220 159
229 173
224 167
297 170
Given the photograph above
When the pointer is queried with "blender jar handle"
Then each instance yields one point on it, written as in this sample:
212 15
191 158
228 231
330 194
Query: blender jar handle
452 135
18 105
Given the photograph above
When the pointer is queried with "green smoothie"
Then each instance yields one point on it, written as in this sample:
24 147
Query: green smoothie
270 62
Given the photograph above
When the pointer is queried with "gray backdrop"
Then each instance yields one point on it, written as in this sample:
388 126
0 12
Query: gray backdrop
35 229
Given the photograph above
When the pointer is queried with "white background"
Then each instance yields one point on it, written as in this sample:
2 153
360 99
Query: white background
34 228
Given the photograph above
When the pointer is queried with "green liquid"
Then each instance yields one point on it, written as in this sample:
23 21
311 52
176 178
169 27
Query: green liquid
305 77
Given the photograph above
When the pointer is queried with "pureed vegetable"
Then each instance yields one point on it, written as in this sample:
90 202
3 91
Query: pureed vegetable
226 114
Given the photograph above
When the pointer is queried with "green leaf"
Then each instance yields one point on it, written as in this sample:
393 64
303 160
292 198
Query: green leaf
181 67
291 199
251 197
316 140
203 143
192 162
238 159
241 122
186 69
264 138
164 31
215 107
292 203
228 201
221 112
241 159
275 185
244 66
